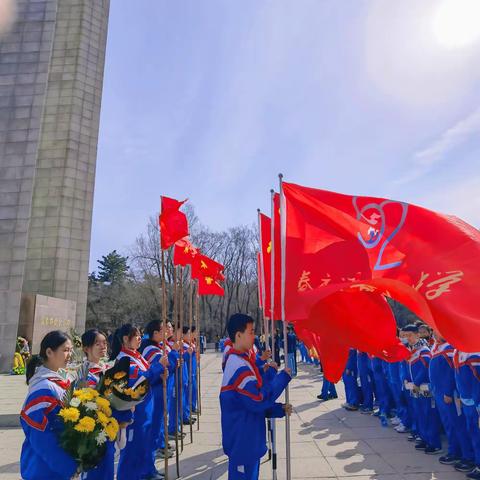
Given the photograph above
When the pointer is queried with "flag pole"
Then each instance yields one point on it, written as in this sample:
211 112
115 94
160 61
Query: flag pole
165 373
174 317
283 232
272 324
199 384
180 394
190 373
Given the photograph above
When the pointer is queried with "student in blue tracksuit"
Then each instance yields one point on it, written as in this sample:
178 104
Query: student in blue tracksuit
246 400
153 352
428 422
95 347
442 380
467 378
366 382
172 349
188 354
350 377
137 459
196 344
173 385
42 457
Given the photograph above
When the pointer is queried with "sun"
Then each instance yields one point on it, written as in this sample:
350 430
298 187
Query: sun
457 23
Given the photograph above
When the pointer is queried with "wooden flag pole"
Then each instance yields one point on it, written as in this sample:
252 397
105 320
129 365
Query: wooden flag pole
165 374
272 324
174 319
190 360
285 334
181 359
199 385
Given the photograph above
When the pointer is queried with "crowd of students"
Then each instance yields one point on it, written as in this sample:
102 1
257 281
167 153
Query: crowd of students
142 433
436 391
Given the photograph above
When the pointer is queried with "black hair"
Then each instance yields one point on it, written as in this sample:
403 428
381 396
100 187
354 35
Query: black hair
52 340
90 336
237 323
127 330
410 328
152 327
194 328
186 330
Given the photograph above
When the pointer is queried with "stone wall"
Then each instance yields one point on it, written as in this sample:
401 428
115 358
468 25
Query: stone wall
51 74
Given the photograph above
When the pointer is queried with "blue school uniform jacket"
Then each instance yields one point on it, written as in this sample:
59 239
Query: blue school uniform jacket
419 363
467 377
442 374
42 457
246 399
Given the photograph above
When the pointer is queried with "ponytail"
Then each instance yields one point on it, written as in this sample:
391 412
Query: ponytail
34 362
52 340
127 330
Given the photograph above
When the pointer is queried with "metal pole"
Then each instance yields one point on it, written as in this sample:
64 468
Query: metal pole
272 319
181 359
174 318
165 374
190 360
199 384
283 225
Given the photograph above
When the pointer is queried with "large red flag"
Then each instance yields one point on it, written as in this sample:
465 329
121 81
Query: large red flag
173 222
266 255
425 260
184 253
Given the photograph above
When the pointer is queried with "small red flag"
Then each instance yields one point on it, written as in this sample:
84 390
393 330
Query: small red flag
260 280
266 256
209 286
173 222
203 266
184 253
277 258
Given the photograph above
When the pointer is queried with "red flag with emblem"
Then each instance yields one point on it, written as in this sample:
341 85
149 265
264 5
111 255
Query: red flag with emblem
266 256
341 245
184 253
173 222
203 266
209 286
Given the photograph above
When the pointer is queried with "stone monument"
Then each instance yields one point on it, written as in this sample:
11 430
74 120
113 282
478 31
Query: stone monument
51 74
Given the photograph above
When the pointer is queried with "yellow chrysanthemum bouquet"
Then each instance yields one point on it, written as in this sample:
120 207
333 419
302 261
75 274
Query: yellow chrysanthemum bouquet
114 386
88 424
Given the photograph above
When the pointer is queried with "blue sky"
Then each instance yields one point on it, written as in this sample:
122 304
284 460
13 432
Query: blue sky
211 99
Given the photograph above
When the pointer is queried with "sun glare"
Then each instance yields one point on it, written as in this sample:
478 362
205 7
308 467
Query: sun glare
457 22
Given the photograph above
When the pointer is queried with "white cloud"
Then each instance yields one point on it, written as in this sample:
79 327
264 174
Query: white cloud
424 160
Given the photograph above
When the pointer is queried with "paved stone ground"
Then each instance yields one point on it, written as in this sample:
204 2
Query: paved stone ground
327 441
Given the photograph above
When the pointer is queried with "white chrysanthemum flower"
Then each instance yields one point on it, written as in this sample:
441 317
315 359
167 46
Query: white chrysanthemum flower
91 406
75 402
101 438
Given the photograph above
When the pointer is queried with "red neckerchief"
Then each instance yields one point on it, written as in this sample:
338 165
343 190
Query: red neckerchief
65 384
136 355
248 357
